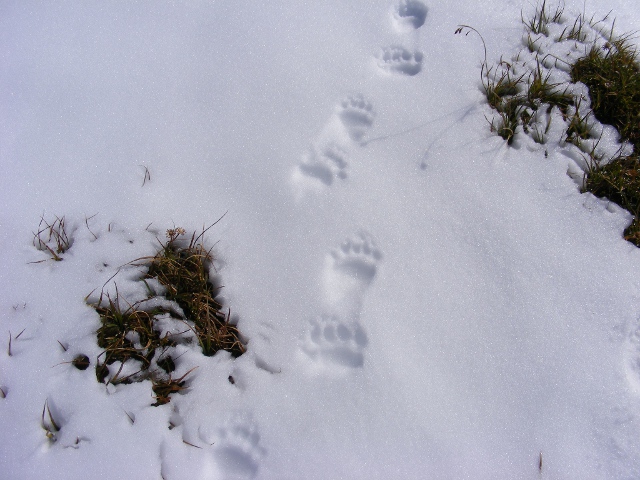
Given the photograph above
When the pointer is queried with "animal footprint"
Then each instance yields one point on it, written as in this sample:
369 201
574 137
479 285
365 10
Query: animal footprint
336 337
409 15
399 60
325 165
236 448
358 256
331 341
349 271
357 115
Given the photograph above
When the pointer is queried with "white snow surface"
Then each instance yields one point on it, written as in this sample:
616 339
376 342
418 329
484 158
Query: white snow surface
418 299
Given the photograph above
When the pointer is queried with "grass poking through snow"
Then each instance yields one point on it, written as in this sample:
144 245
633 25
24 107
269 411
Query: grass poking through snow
139 339
53 237
609 68
128 335
48 423
542 17
184 271
612 75
619 181
163 387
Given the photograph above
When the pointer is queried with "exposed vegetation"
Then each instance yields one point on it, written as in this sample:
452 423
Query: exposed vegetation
129 334
139 340
542 17
184 271
619 181
48 423
53 237
612 75
609 68
517 97
163 387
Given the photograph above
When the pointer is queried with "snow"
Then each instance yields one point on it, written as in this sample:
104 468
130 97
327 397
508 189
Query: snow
419 300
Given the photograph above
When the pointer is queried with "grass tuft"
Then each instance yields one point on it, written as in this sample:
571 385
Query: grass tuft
542 17
506 126
48 423
577 32
128 334
505 86
164 387
609 69
578 128
541 91
613 77
53 237
619 181
135 335
184 271
518 98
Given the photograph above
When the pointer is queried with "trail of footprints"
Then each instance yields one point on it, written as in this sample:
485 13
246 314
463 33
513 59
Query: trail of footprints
327 159
336 336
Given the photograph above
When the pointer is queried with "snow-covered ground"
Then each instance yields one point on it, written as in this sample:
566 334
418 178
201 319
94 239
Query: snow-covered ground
418 299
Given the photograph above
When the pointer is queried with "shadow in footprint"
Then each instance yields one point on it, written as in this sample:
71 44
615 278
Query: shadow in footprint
336 337
349 271
409 14
236 451
357 115
400 61
332 341
326 164
357 257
